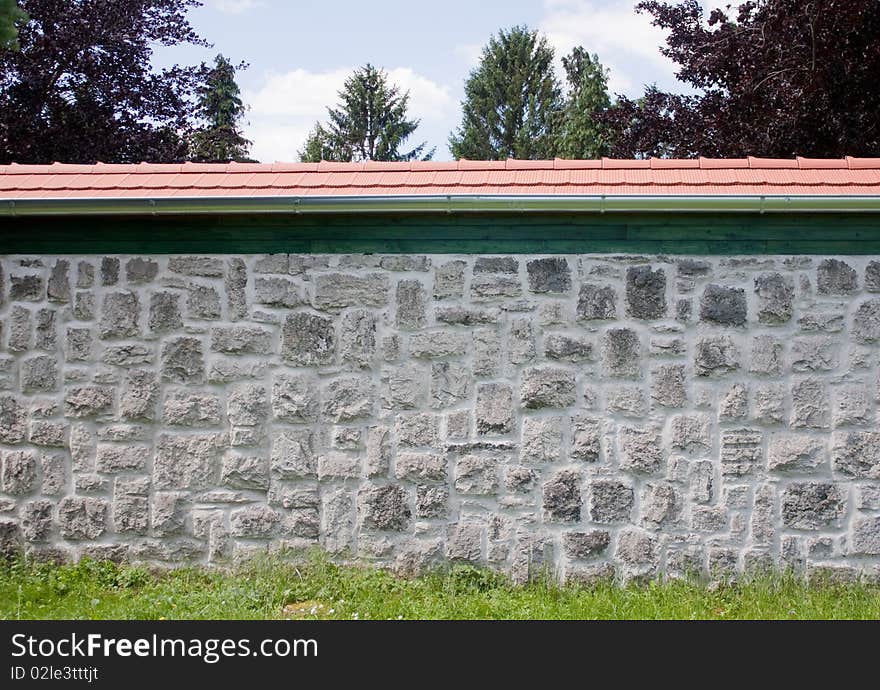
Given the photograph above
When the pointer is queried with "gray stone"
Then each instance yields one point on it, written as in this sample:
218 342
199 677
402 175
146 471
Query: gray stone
203 266
85 274
723 305
11 542
308 339
383 507
184 408
690 432
278 292
465 316
449 280
39 374
247 405
418 430
337 527
850 405
53 467
596 302
611 501
872 276
866 536
585 544
795 452
165 312
139 270
496 264
403 387
769 407
645 292
347 399
549 275
58 285
521 341
119 315
20 329
78 347
335 291
236 285
766 356
412 300
815 353
379 450
586 443
641 450
139 396
856 453
254 522
812 505
432 501
128 355
834 277
492 286
520 479
494 408
357 339
13 420
294 398
84 306
203 302
562 497
668 388
240 340
741 451
88 401
866 322
183 361
637 548
621 353
567 348
121 458
48 433
541 439
487 352
293 455
547 387
809 404
661 505
190 461
476 474
868 497
19 475
450 384
716 355
465 542
109 270
81 518
45 332
420 467
775 296
36 520
169 513
131 512
27 288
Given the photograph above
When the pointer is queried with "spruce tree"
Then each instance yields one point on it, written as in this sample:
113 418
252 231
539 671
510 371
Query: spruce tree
369 123
221 107
513 101
583 134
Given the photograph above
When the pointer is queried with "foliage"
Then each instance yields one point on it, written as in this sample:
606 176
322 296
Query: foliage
774 78
263 588
369 123
221 107
81 88
513 101
583 134
11 15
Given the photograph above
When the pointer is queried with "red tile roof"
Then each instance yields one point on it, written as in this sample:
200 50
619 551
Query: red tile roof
610 177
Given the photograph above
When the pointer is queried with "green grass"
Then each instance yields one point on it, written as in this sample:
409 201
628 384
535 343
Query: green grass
262 589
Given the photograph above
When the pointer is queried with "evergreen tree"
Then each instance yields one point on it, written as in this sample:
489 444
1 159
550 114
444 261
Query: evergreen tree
220 105
369 123
583 134
513 101
10 16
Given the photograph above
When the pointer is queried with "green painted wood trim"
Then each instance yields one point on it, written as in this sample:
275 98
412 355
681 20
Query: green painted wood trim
721 234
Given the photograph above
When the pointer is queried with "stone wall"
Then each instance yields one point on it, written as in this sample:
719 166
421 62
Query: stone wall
593 414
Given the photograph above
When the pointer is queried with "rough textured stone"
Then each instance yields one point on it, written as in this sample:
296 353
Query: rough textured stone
585 544
183 408
775 297
716 355
120 458
58 285
856 453
165 312
450 384
668 387
204 266
549 275
183 361
521 341
432 501
597 302
586 441
308 339
866 536
412 301
26 288
494 409
809 404
568 348
723 305
562 497
188 461
293 455
547 387
39 374
240 340
641 450
621 353
138 270
88 401
19 473
347 399
437 344
140 395
812 505
741 451
294 398
247 405
418 430
338 290
383 507
449 279
82 517
541 439
357 340
119 315
278 292
476 474
645 292
834 277
420 466
13 420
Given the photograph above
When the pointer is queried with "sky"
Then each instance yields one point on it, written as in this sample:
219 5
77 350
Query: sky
300 52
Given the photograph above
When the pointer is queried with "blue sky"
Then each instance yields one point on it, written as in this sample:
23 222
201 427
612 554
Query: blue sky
301 51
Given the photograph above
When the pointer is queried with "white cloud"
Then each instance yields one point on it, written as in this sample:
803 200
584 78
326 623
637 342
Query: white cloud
234 6
286 106
625 40
470 53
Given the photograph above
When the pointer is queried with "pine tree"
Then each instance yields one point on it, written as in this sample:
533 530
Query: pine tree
369 123
583 134
220 105
10 16
513 101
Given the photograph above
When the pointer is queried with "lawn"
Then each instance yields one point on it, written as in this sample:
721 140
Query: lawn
319 589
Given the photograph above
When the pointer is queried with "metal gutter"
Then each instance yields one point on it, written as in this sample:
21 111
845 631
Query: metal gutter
164 206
